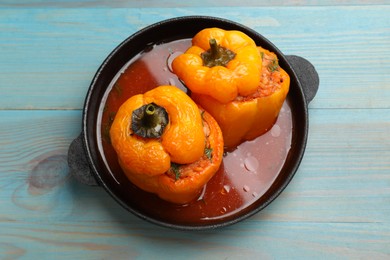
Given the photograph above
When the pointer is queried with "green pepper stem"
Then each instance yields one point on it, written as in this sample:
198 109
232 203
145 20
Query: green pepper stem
150 118
213 48
216 55
149 121
150 109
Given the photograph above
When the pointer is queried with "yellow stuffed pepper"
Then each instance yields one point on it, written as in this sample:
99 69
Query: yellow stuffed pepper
166 144
250 113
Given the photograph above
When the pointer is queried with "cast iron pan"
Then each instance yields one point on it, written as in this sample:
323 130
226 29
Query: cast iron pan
85 160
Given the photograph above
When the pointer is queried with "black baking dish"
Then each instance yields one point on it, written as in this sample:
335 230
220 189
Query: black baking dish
85 159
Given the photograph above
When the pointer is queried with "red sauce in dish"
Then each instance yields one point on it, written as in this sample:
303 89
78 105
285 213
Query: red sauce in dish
245 174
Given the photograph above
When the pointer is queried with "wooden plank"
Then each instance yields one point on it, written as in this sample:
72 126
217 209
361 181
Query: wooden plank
337 205
176 3
39 47
247 240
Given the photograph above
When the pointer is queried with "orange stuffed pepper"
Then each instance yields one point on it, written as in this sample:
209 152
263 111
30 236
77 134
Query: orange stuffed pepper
222 64
166 144
248 114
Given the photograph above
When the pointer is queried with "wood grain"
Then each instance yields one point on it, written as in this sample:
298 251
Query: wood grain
56 38
176 3
336 207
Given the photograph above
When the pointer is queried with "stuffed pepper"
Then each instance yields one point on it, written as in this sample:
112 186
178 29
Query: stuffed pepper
222 64
166 144
247 114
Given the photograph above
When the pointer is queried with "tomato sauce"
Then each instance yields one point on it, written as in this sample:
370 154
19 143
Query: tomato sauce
246 172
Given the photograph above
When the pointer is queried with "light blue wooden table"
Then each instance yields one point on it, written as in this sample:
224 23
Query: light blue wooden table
336 207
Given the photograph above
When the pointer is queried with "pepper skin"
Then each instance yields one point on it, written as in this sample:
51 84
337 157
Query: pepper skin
238 75
175 165
247 117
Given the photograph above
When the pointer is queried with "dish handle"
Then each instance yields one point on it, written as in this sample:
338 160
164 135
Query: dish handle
78 163
307 76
